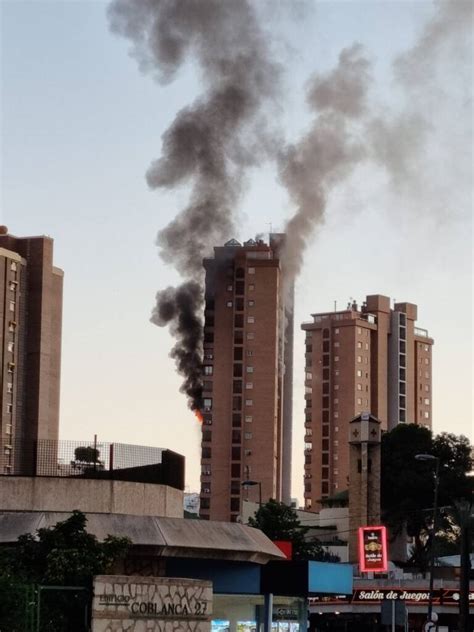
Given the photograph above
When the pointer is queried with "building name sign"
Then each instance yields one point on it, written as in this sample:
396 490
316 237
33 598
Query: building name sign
152 609
150 601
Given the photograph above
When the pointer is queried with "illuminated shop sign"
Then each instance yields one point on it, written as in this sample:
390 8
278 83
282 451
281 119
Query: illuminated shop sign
373 549
445 596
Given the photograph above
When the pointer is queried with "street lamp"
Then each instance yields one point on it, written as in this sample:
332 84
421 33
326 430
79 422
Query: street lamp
252 484
432 457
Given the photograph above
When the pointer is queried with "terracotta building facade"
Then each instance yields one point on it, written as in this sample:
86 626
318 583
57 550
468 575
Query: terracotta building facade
369 359
248 337
30 319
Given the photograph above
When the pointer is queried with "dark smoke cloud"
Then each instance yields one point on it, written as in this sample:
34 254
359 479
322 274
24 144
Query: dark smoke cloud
405 140
179 307
210 143
425 75
327 153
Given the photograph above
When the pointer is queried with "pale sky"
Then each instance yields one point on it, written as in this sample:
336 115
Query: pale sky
81 124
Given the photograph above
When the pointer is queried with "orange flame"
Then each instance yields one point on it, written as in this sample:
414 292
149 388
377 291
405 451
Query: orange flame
199 416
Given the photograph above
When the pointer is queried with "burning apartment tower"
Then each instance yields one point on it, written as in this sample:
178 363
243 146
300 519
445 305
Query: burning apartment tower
247 379
368 360
30 317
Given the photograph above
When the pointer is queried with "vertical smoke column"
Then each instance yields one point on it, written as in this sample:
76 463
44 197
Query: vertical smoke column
326 154
209 144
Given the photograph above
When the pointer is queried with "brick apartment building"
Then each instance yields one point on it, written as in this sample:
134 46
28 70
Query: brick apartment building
30 318
246 432
373 359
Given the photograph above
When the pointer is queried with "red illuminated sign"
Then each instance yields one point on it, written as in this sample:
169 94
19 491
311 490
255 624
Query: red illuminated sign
373 549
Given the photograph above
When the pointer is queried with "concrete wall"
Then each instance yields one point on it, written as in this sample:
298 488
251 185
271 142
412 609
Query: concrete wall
19 493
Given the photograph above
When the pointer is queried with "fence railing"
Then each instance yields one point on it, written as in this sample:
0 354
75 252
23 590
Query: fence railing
91 459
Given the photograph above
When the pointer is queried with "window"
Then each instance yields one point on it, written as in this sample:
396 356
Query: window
208 370
336 358
208 355
11 346
229 303
336 415
205 504
427 401
336 331
8 429
13 266
249 369
207 385
359 400
251 287
206 435
359 345
236 436
250 319
207 403
248 419
235 470
251 270
230 288
336 387
336 373
336 428
206 488
359 359
12 306
238 370
248 435
239 320
251 303
206 452
427 414
249 385
359 387
336 344
250 335
249 402
309 376
249 352
427 348
336 401
427 360
359 330
9 408
9 387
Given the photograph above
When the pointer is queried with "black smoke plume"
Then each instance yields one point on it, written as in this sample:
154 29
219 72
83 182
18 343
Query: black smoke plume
326 154
209 144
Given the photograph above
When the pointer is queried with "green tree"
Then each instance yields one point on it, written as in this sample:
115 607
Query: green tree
62 555
407 485
280 522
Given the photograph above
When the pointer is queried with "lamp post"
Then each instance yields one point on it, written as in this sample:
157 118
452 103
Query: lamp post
432 457
252 484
